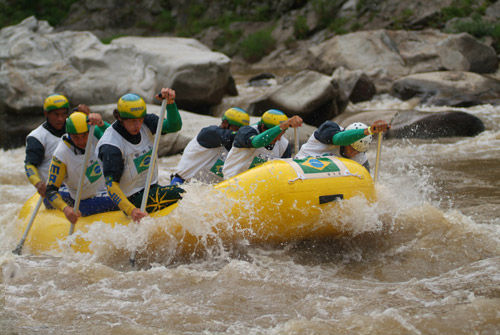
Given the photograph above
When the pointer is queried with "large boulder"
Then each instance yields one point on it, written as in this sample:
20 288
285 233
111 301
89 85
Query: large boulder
309 94
355 85
370 51
463 52
448 88
35 61
415 124
386 55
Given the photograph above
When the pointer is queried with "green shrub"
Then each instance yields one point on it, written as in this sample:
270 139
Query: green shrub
257 45
164 22
337 25
300 28
227 37
14 11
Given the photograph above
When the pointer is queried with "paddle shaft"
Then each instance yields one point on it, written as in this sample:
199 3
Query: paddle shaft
19 247
153 155
296 139
152 163
88 147
377 159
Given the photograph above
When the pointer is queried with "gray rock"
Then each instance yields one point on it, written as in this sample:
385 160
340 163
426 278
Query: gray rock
463 52
355 85
309 94
35 62
413 124
448 88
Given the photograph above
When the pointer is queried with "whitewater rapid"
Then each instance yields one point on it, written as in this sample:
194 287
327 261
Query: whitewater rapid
423 259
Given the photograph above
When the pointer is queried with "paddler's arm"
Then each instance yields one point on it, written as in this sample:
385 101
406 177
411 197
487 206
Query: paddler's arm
348 137
173 121
99 130
35 153
57 173
267 137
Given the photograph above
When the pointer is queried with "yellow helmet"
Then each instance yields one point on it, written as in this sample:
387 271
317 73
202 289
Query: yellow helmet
131 106
76 123
55 101
273 117
236 116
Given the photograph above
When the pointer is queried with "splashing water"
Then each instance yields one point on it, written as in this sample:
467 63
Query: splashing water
422 259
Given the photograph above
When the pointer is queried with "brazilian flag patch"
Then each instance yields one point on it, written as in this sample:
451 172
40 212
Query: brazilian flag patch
217 167
317 165
93 172
142 162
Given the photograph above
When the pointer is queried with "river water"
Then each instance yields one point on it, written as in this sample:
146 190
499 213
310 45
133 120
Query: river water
423 259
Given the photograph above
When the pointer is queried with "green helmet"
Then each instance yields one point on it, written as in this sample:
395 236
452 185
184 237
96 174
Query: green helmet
55 101
272 118
236 116
76 123
131 106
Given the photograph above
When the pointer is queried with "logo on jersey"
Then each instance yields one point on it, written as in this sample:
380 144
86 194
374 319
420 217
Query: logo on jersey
93 172
142 162
217 167
317 165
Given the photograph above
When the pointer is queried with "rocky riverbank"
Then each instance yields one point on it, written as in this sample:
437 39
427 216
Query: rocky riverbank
317 82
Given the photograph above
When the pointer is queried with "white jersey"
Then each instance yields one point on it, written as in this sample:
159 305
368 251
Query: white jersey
203 164
242 159
136 159
49 142
315 148
93 183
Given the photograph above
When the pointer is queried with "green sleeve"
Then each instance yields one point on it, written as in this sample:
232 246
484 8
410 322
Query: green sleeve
348 137
99 131
173 121
265 138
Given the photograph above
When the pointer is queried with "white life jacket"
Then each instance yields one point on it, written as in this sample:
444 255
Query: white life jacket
315 148
242 159
49 142
136 158
93 183
200 163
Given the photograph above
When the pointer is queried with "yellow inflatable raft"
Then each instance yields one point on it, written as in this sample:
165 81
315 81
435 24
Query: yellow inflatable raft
278 201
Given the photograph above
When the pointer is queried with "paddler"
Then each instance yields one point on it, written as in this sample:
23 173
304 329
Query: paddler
42 141
205 154
352 142
125 153
256 144
67 164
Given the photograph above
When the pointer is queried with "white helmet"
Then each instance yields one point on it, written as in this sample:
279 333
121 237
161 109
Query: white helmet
362 144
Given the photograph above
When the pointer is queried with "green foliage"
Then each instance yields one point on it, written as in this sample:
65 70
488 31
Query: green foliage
107 40
402 20
257 45
338 25
326 11
300 28
227 37
14 11
480 28
164 22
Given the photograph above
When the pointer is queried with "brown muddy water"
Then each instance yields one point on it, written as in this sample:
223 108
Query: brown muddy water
423 259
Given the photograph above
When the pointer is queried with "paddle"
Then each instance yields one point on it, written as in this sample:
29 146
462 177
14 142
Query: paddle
151 165
19 247
296 139
88 146
377 159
